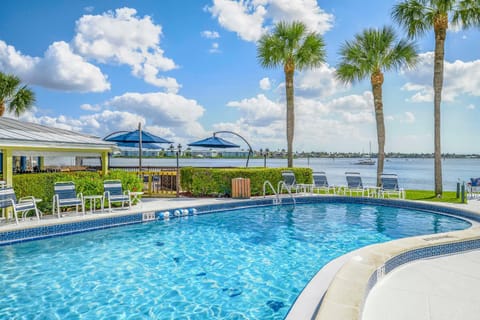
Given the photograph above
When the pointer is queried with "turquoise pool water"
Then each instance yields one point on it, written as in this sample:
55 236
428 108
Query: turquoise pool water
240 264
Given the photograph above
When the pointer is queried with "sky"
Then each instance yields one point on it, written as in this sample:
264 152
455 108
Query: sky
185 69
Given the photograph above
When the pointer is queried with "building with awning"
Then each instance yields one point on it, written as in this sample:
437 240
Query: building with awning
19 139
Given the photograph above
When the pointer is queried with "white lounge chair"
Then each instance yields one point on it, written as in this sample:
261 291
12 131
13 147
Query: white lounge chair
23 205
389 186
473 188
67 196
355 185
320 183
113 192
289 182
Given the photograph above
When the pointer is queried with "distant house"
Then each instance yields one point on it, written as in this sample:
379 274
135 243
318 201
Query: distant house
234 154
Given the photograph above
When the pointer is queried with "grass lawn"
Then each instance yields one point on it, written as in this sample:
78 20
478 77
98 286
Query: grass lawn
448 196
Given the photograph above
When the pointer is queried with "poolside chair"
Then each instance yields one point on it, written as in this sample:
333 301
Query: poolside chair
113 192
355 185
320 182
389 186
66 196
473 188
23 205
288 182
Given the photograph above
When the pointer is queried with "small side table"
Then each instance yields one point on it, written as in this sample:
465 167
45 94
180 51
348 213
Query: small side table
93 202
136 196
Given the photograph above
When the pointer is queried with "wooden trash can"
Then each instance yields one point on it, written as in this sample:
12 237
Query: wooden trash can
241 188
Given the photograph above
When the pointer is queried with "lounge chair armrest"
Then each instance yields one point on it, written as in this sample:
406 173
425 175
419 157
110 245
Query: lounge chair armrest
27 199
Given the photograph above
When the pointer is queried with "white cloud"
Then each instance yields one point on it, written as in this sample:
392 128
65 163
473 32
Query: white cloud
163 109
471 107
170 116
409 117
59 69
320 82
245 17
335 125
306 11
214 48
123 38
210 34
251 18
89 107
460 78
265 84
259 110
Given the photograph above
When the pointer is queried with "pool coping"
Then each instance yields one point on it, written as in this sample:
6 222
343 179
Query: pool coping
342 286
339 289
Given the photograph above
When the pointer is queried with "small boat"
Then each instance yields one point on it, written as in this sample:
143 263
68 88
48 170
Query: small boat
365 162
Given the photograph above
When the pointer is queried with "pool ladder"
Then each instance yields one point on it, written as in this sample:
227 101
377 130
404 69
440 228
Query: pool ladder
281 185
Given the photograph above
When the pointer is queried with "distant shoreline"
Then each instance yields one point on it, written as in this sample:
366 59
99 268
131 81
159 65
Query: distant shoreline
274 155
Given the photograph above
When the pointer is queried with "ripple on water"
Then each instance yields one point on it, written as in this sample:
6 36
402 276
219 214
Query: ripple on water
243 264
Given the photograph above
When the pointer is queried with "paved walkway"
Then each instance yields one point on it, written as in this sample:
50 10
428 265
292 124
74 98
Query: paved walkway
445 288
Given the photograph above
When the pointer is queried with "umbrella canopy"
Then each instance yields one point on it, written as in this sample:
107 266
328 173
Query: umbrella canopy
134 137
145 145
214 142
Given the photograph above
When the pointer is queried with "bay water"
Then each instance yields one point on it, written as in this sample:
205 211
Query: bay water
413 173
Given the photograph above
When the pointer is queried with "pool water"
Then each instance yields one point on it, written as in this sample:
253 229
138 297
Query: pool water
240 264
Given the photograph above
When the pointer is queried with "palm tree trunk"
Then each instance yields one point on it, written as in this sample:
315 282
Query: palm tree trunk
440 27
289 70
2 109
377 81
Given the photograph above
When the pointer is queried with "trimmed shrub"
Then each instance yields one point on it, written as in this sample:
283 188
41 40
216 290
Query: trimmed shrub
218 181
40 185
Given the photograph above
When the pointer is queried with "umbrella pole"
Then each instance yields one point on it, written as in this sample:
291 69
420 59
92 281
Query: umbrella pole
140 148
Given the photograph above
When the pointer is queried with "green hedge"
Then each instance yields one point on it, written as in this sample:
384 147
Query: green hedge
40 185
218 182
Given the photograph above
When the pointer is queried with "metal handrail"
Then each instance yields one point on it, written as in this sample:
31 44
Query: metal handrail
281 185
277 198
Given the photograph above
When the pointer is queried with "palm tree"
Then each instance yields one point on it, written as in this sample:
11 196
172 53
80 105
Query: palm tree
420 16
17 99
290 45
370 54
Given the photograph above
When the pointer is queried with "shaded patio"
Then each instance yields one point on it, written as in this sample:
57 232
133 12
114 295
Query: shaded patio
26 139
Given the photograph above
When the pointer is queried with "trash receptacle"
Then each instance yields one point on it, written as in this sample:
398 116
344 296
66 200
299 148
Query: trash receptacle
241 188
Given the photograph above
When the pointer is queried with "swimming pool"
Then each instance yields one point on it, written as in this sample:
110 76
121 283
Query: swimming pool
238 264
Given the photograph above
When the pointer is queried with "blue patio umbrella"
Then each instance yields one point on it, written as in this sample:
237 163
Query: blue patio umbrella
136 138
217 142
214 142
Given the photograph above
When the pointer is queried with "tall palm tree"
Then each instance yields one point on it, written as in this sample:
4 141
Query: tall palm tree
370 54
14 97
420 16
290 45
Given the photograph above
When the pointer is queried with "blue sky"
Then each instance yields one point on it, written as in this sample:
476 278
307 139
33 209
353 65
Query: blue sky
188 68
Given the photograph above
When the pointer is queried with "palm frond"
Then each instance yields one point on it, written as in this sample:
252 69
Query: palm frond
22 101
467 14
415 16
311 53
8 86
291 42
374 50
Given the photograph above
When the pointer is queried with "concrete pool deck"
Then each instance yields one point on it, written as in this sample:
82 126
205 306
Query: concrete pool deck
452 273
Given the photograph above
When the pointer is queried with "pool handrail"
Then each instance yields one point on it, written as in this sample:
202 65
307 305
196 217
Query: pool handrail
277 198
282 185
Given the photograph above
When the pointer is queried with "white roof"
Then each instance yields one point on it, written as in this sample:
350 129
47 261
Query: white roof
24 135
